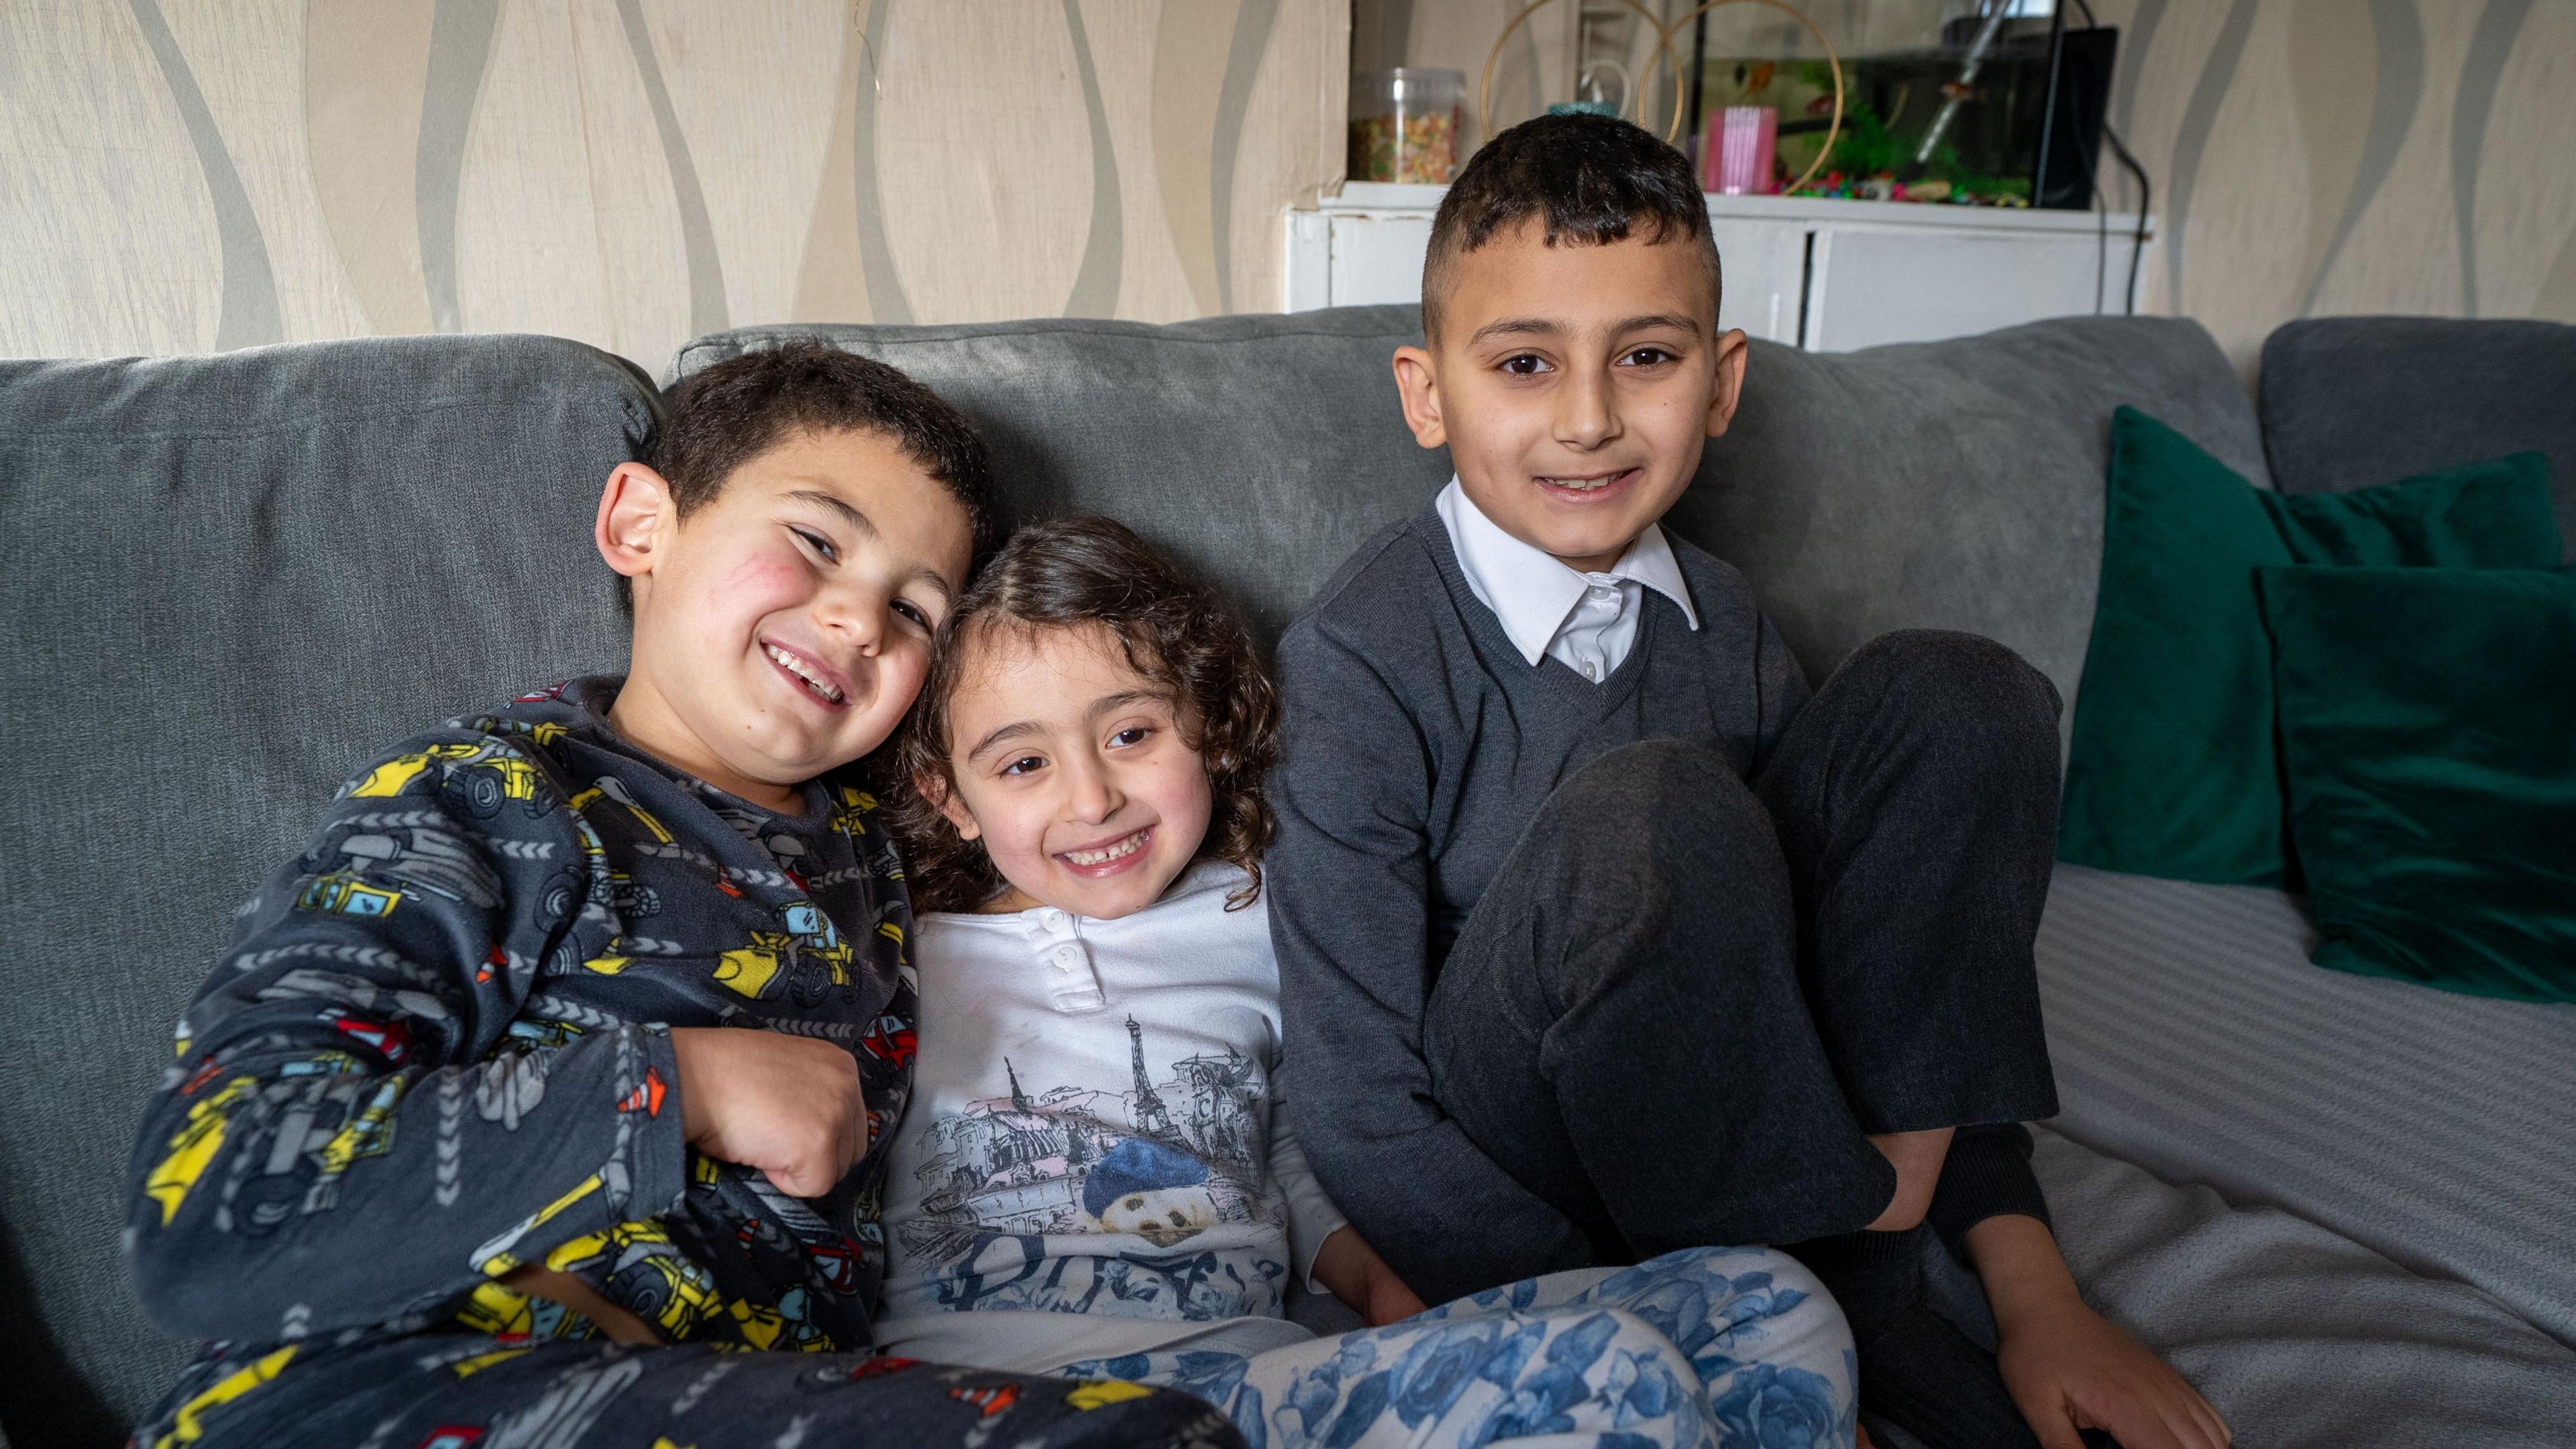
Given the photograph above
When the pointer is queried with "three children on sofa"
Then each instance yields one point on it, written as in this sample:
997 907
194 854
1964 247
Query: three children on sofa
600 1047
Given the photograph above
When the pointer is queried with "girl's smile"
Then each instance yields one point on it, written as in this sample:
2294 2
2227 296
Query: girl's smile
1074 770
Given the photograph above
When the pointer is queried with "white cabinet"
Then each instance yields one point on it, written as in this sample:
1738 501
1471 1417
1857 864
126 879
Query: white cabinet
1829 276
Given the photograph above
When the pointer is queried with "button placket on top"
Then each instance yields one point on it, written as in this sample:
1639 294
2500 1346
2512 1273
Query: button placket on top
1594 616
1072 984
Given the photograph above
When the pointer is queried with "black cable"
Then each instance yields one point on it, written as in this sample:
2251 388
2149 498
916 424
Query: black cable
2146 199
2146 191
1698 137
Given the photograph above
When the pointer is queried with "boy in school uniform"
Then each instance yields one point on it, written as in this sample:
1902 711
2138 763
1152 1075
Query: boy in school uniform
1600 933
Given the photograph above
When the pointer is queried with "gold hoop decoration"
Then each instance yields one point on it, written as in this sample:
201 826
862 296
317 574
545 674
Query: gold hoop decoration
1833 59
1663 47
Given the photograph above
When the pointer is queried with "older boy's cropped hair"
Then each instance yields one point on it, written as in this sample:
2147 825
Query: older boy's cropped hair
1589 179
721 416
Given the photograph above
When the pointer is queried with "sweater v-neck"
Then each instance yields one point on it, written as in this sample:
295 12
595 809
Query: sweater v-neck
1551 680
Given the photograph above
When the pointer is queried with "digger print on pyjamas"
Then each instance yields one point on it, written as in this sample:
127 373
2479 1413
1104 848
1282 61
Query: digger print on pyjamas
437 1049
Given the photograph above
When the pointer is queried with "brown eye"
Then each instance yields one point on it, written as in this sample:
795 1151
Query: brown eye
1525 364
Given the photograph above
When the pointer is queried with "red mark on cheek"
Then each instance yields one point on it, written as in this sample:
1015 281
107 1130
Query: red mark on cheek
766 574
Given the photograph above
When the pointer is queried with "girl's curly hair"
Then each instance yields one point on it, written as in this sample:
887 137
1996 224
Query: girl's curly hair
1177 630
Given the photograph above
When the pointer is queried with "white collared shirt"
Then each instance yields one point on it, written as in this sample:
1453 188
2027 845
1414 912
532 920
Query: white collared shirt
1588 622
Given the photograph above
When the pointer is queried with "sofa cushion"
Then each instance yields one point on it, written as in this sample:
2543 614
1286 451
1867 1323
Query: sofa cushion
2428 734
2191 1036
2300 1337
2353 401
233 577
2173 769
1947 484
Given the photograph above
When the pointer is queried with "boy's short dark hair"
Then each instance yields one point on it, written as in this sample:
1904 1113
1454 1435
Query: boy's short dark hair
1177 630
1591 179
721 416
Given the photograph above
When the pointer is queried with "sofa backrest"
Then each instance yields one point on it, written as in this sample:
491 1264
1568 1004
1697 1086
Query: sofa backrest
2351 402
1954 484
233 577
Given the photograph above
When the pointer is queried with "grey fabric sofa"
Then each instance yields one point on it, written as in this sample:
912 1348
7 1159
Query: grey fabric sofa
2341 1205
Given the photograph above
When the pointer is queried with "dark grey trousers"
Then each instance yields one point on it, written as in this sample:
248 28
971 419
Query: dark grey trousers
1687 997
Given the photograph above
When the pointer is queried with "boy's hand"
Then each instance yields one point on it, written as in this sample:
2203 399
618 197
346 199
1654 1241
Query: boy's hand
2069 1368
787 1105
2074 1369
1359 1277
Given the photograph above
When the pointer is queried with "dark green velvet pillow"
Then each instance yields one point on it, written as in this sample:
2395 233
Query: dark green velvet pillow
2428 730
2172 771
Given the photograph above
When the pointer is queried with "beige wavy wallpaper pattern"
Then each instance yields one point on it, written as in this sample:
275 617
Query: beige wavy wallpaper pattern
2316 157
178 175
183 175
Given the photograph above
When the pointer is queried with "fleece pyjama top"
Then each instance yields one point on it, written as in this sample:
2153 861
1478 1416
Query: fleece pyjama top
438 1048
1095 1163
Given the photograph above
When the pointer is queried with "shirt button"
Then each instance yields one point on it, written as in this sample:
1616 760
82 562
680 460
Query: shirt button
1592 670
1067 957
1053 919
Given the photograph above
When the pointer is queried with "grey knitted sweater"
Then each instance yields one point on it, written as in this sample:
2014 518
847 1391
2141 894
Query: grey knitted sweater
1419 744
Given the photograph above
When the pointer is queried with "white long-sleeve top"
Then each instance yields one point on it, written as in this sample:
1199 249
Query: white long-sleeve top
1094 1161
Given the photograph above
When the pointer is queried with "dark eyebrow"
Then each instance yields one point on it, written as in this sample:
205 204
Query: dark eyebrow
1515 327
835 504
1006 732
1111 703
1674 320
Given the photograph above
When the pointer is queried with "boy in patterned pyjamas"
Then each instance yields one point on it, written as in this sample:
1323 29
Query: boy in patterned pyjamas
535 1099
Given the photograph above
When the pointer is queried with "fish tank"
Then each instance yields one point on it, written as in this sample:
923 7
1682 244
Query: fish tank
1996 108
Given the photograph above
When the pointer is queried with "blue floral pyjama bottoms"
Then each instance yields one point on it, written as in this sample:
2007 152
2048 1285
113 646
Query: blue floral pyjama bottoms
1736 1348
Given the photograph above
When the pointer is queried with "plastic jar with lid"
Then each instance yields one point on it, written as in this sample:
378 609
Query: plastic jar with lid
1404 125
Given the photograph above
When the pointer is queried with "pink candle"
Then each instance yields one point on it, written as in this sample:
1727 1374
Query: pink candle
1737 156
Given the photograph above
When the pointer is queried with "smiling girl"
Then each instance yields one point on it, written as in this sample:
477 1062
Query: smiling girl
1096 1177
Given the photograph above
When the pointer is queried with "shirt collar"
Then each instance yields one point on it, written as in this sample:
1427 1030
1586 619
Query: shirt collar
1531 591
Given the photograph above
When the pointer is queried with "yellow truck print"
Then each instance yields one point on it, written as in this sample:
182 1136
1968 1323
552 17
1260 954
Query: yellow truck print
485 775
346 894
810 953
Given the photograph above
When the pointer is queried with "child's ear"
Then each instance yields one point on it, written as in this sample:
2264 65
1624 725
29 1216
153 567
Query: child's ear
636 517
1420 391
1732 351
936 791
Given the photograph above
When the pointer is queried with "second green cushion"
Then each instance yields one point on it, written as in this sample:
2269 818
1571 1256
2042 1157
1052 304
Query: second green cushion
2173 769
2428 731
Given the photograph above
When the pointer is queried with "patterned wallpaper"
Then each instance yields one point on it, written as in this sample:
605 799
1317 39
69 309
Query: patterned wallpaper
177 175
182 175
2308 156
2314 157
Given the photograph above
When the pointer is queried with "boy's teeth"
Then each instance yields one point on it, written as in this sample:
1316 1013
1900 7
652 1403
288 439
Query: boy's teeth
1107 853
803 671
